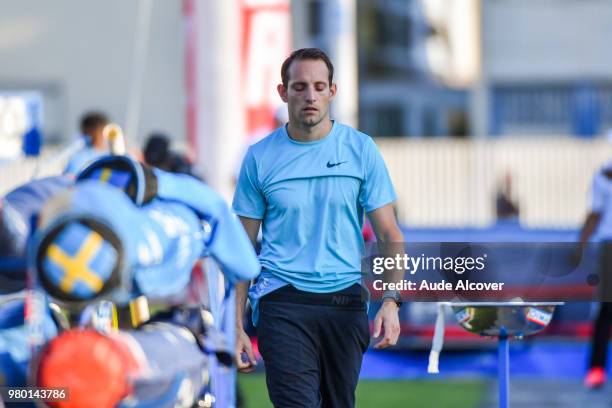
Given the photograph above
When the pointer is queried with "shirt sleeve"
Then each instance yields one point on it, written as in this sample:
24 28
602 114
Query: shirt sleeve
376 189
249 200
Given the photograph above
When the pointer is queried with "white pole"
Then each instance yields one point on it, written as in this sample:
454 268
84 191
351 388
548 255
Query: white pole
139 60
220 112
343 36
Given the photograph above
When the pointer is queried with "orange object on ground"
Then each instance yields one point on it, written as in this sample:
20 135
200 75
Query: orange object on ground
93 367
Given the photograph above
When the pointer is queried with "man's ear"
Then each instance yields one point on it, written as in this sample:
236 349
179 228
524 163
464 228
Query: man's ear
282 92
332 91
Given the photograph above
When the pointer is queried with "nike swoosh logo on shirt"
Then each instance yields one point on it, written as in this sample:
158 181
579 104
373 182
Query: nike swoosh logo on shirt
330 164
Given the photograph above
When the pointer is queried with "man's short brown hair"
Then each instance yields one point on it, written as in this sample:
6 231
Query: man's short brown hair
92 120
306 54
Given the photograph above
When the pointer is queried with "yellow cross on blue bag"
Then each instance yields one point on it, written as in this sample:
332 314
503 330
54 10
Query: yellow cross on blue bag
79 261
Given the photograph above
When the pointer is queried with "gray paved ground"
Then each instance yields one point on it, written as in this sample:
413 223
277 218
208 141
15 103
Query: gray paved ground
549 394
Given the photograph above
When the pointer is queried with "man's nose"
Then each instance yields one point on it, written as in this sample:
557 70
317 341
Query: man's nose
311 94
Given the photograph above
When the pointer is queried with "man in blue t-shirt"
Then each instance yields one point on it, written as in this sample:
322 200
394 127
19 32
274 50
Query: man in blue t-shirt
308 185
92 130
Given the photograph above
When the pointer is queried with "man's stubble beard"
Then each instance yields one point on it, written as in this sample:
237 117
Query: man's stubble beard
304 124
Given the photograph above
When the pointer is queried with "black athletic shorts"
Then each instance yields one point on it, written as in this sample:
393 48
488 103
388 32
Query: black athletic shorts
312 345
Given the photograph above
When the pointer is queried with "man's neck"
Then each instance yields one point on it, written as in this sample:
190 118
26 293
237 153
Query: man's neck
309 133
101 146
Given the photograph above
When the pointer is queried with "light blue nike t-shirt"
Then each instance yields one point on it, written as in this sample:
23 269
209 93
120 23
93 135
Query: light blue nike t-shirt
311 198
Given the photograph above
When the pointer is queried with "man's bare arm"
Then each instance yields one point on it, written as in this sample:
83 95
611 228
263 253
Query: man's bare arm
589 227
390 243
243 343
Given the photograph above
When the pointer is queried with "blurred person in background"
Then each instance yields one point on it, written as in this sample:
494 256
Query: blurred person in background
92 131
309 184
157 153
506 207
599 221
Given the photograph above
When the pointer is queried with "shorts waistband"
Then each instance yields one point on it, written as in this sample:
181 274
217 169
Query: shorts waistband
353 297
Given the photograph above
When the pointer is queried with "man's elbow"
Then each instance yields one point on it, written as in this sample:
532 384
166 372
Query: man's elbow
594 217
391 234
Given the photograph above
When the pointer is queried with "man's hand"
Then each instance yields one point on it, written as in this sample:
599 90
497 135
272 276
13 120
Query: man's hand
387 319
390 244
243 346
243 343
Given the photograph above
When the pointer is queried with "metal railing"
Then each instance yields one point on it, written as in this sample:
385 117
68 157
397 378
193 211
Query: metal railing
52 161
19 171
445 183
